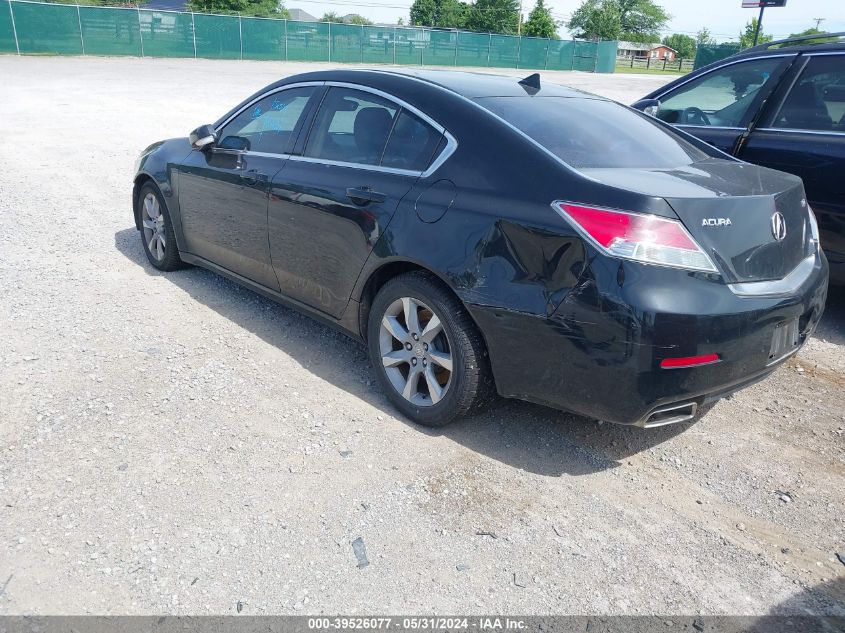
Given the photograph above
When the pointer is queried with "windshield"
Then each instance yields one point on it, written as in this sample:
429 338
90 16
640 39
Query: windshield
594 133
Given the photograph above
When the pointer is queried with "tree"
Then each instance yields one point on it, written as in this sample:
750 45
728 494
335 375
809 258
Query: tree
439 13
641 20
493 16
746 38
261 8
596 19
684 44
354 18
816 40
703 38
400 22
331 16
540 22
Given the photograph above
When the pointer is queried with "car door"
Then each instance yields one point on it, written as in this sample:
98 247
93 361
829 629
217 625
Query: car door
718 106
330 205
223 191
803 133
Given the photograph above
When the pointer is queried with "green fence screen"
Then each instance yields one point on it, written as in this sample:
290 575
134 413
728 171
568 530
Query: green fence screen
66 29
707 53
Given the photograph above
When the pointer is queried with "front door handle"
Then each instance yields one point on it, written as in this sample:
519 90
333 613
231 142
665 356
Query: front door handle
253 176
363 196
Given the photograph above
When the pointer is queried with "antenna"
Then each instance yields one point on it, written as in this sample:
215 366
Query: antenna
531 84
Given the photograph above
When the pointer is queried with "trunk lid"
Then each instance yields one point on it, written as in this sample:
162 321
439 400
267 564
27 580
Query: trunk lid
730 209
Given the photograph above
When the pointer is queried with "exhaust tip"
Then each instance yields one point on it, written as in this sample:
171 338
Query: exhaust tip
672 414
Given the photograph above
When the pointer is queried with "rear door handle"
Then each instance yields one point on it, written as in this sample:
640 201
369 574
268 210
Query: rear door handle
253 176
364 195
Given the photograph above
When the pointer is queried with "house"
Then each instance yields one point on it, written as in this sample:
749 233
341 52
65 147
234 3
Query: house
661 52
301 16
636 50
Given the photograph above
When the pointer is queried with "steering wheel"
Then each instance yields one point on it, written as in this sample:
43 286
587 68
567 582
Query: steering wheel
695 116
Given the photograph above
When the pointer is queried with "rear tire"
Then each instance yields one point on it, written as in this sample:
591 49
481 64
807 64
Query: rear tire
428 355
157 235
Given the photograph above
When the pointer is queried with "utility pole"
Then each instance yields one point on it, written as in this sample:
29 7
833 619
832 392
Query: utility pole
818 22
519 22
759 24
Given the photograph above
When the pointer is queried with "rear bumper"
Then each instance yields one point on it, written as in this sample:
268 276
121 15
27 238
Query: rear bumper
599 354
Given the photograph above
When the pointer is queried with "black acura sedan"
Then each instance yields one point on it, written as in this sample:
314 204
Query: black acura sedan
483 234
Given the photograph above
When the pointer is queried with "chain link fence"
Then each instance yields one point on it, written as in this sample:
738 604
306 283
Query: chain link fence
34 28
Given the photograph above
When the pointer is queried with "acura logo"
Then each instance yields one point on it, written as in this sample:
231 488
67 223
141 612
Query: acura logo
778 226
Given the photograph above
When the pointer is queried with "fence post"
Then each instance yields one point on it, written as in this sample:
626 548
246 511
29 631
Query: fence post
140 30
394 45
596 57
194 33
14 28
548 48
489 46
79 21
664 63
648 61
286 39
457 35
241 35
518 49
330 41
362 43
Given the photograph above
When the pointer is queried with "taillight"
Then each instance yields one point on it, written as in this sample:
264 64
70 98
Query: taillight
689 361
644 238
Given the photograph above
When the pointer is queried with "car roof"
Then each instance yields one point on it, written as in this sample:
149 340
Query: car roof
471 85
477 84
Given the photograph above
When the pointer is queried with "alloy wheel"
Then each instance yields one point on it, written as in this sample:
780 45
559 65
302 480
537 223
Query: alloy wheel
152 220
415 352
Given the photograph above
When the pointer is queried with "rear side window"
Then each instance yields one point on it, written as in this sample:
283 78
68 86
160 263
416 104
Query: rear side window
411 144
351 126
817 100
593 133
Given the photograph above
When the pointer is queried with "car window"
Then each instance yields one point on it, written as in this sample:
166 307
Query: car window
719 98
817 100
411 144
268 125
594 133
351 126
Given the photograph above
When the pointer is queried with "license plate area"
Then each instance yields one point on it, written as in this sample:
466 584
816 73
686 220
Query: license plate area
784 340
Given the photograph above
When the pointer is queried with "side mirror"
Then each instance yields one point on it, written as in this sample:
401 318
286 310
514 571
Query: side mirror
203 137
648 106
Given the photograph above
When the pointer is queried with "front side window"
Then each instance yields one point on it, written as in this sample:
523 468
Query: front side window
721 98
351 126
817 100
594 133
267 125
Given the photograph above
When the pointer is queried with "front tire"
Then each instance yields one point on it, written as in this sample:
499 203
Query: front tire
427 353
157 235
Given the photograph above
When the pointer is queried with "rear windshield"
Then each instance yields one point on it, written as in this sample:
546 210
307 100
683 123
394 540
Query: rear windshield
593 133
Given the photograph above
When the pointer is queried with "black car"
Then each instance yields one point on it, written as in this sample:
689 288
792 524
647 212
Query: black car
486 234
780 105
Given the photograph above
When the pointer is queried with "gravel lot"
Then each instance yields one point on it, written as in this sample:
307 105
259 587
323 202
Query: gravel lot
174 443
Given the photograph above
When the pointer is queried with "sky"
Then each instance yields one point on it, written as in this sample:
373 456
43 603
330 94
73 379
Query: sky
724 18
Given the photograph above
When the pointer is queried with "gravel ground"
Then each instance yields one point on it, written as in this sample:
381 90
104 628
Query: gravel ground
175 443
